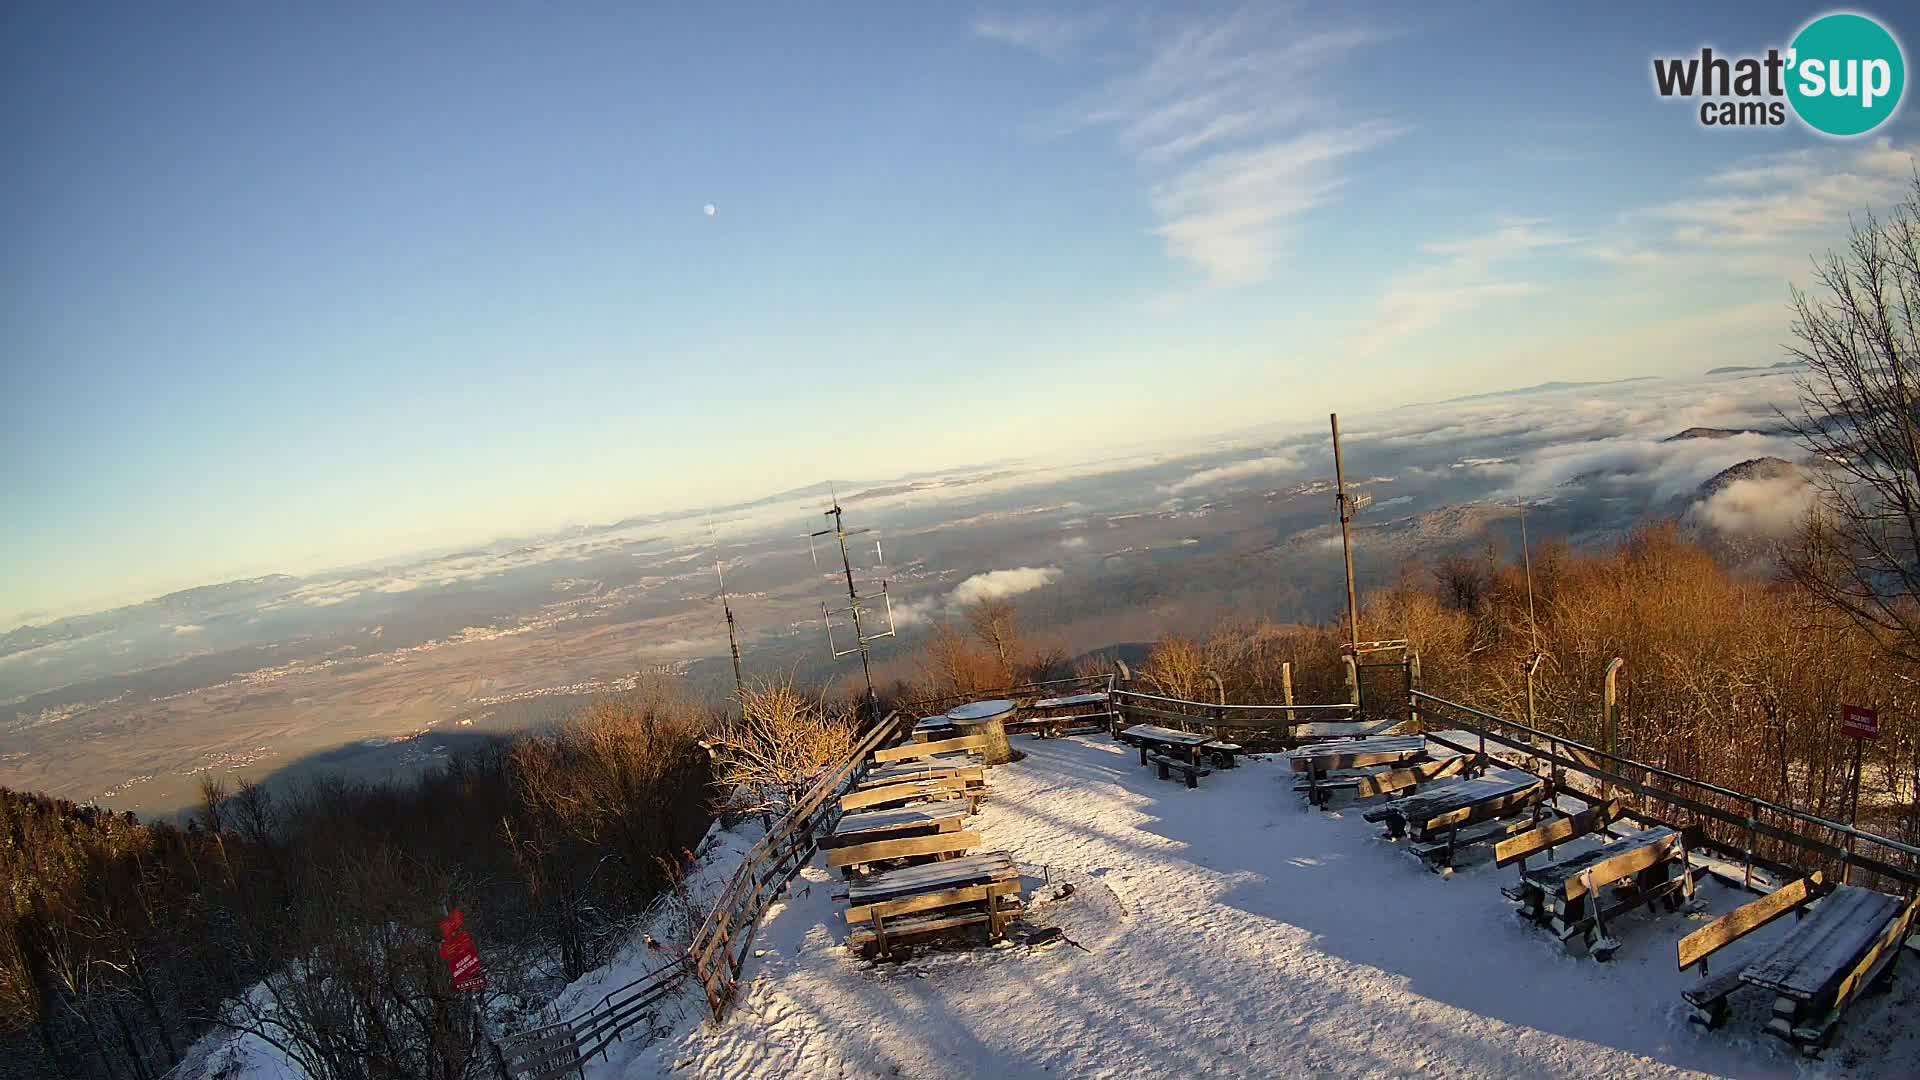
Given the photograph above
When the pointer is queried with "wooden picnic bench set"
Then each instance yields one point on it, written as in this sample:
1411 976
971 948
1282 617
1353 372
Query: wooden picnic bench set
1845 943
1191 754
911 866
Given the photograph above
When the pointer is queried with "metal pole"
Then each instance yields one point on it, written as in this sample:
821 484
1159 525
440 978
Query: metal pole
853 604
1853 814
1346 539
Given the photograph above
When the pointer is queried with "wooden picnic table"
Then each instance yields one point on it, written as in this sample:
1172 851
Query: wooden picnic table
1096 698
932 897
1440 813
924 817
1317 763
1847 940
932 729
1644 866
963 766
1320 730
1182 744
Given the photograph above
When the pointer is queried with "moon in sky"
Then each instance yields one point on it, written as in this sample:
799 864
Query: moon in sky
711 209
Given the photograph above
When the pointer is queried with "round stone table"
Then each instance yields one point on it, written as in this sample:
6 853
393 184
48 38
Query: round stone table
987 718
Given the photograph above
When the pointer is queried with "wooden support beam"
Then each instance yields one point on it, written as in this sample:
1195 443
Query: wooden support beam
1747 918
1556 833
908 751
937 844
932 901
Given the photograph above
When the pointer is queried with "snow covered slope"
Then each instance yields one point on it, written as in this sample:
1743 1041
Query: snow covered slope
1231 932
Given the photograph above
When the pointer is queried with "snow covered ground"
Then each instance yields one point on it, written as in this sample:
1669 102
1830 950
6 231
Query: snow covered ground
1231 932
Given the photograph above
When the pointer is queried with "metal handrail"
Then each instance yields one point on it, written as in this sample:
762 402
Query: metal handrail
1667 774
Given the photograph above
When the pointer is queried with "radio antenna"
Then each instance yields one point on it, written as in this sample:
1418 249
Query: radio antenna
855 609
733 635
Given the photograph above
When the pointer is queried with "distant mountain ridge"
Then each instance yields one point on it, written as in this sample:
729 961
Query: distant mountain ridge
1732 368
1537 388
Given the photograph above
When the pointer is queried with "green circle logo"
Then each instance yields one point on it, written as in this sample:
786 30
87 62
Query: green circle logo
1846 74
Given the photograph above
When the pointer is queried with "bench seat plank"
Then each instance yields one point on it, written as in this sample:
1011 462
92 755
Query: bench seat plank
1358 753
1156 734
1069 701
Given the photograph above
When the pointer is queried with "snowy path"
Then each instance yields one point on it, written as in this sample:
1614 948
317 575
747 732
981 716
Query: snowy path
1234 933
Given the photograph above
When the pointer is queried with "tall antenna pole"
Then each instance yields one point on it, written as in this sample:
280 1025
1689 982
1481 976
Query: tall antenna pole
862 640
733 637
1346 535
1533 627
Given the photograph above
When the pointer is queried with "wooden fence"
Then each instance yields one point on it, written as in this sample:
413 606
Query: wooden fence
1729 821
562 1049
721 944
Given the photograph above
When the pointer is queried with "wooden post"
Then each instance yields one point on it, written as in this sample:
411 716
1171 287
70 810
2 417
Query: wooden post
1286 693
1853 814
1412 662
1353 683
1610 716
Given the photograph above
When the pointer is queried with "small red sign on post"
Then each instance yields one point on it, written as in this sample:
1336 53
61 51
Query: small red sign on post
1859 723
460 953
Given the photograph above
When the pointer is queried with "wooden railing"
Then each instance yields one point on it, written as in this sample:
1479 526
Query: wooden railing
721 944
1743 819
562 1048
1259 723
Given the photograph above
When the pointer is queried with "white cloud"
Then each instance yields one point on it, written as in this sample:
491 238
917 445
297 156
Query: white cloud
188 628
1767 506
1048 34
1270 465
1074 543
1220 113
996 584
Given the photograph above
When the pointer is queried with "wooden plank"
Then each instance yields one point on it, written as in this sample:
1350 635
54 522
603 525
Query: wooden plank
933 901
936 815
1155 733
925 924
968 869
1556 833
1392 780
1358 753
1747 918
1825 944
937 789
1571 879
1098 698
1864 971
908 751
905 847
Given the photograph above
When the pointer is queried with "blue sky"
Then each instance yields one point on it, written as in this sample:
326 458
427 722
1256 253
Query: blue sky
285 290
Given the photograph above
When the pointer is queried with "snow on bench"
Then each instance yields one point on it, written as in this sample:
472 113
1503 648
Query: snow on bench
1845 942
966 767
869 824
1566 896
1097 698
1437 818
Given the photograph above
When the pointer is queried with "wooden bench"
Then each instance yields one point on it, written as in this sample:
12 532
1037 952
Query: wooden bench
1191 771
1168 742
910 751
1440 820
965 767
932 729
1325 730
1318 764
917 820
1223 754
1569 897
1846 942
1050 718
922 899
851 857
937 790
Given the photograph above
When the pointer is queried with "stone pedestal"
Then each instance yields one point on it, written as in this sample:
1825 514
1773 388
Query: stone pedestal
988 718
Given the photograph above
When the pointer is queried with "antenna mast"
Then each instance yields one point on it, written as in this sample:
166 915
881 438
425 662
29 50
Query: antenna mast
1347 509
733 637
862 641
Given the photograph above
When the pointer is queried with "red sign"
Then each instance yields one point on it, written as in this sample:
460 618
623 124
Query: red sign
1859 723
462 957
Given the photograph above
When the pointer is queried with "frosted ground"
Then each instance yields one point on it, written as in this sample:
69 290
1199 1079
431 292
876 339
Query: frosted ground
1228 931
1231 932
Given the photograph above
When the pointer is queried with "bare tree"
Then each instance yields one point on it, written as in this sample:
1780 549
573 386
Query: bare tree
781 741
1858 333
